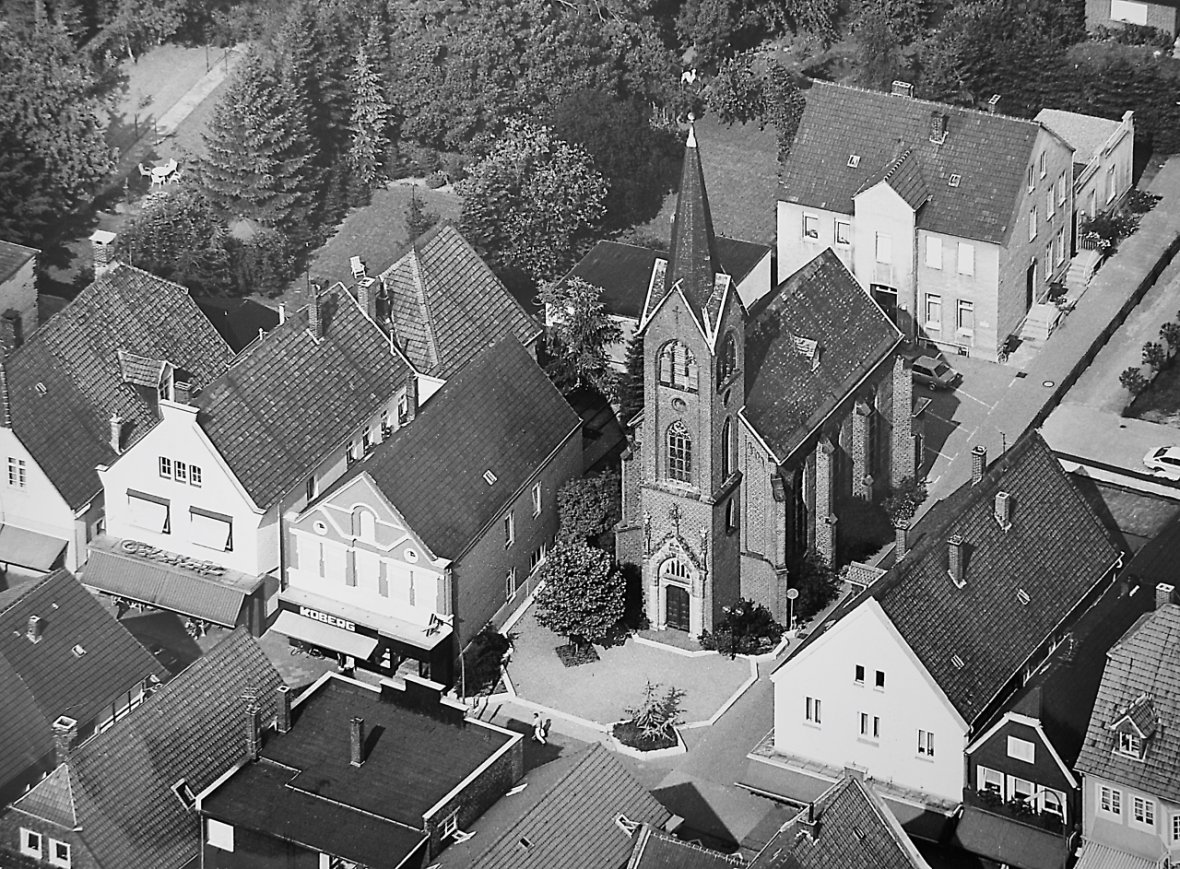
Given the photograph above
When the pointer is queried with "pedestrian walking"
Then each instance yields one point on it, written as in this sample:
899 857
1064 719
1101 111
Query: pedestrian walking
539 729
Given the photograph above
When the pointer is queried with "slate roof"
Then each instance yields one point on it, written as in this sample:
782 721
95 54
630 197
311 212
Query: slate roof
66 380
501 414
1146 661
118 783
239 321
623 271
292 399
41 681
655 850
990 153
12 257
854 829
566 814
1086 134
447 303
786 396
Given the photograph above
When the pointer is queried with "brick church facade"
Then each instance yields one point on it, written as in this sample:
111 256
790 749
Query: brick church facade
760 426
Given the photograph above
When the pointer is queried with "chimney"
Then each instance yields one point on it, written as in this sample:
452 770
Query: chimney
5 407
283 709
978 462
364 296
1004 509
356 741
182 392
954 566
902 89
65 731
36 629
102 247
901 528
116 433
313 312
282 313
937 127
253 729
808 821
992 102
411 397
1163 594
10 329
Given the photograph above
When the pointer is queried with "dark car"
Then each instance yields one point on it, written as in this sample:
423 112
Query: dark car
935 372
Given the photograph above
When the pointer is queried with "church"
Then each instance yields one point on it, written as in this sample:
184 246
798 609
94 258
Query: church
763 422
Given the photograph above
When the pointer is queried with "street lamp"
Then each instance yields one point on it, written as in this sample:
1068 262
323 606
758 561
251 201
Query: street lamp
792 593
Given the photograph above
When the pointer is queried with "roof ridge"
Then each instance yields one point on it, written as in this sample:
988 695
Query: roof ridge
922 100
417 268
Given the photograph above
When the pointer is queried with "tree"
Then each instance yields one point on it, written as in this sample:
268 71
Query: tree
817 584
784 106
531 202
737 94
135 25
878 49
419 219
580 332
1133 381
368 124
631 393
1155 355
583 594
588 507
657 714
905 499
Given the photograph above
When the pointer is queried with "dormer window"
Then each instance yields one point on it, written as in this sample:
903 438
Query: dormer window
853 161
955 179
1130 745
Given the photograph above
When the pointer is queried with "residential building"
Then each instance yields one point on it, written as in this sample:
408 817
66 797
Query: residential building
81 390
1103 158
440 529
580 811
954 220
357 775
240 322
656 850
125 797
760 428
18 289
623 273
997 576
1131 776
67 669
1160 14
198 500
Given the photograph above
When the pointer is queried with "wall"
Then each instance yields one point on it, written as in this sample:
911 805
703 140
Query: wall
981 288
1158 15
796 250
479 794
757 283
1122 833
256 851
19 292
38 506
879 210
11 823
1117 153
825 670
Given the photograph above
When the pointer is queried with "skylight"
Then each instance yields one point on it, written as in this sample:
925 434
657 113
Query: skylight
955 179
958 662
853 161
78 650
1022 596
489 477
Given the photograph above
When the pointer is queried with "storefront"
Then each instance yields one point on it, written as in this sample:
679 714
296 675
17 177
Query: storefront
382 644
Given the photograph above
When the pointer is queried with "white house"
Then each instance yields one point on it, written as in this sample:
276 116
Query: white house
1104 153
18 289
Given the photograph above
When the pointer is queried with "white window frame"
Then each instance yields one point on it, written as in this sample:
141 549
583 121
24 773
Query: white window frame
536 499
926 744
449 825
1061 189
1111 184
858 674
1175 820
510 584
165 467
1112 797
985 776
509 530
17 473
1050 205
179 471
26 835
1128 12
966 259
1022 749
195 477
59 862
879 680
1032 184
1143 813
847 227
870 727
964 306
883 247
1059 245
811 226
813 711
1129 745
219 834
932 312
933 252
1044 163
1032 223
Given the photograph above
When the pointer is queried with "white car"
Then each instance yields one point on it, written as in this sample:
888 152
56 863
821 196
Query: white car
1165 461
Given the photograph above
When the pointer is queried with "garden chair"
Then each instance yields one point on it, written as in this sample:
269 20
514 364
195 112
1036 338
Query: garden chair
358 268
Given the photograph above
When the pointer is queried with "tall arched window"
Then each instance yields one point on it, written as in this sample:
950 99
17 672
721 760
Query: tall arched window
674 568
679 453
678 367
726 449
364 525
727 363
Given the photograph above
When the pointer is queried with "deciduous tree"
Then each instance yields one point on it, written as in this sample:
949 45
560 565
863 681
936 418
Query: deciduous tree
579 335
583 594
588 507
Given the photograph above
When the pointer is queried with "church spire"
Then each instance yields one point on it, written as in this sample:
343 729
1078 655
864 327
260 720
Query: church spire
692 260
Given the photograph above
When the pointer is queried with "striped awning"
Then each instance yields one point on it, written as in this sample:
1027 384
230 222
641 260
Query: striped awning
1096 856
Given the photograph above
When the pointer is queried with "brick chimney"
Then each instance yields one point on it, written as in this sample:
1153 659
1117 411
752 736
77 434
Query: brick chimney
283 709
1163 594
35 630
102 245
313 312
1003 510
955 555
411 396
902 89
901 530
182 392
356 741
978 462
12 330
282 313
365 297
809 822
937 127
116 433
253 728
992 102
65 731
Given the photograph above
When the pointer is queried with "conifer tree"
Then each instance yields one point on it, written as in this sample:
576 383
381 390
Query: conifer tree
369 123
631 393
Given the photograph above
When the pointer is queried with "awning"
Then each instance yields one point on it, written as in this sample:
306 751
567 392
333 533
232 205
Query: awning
28 548
148 511
213 530
325 636
425 637
1096 856
1008 841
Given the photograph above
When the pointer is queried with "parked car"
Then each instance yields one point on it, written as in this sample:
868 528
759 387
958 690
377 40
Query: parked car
1165 461
935 372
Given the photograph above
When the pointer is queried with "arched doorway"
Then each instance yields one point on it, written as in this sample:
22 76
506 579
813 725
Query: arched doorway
676 607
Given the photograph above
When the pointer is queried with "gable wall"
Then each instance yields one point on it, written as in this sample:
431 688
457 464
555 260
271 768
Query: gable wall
38 506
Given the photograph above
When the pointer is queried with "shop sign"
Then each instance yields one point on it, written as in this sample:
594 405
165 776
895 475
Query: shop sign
327 619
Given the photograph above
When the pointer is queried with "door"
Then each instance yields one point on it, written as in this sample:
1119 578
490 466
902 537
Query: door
886 298
1030 285
676 600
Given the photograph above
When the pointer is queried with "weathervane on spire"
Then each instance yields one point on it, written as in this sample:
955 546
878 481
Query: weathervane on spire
692 131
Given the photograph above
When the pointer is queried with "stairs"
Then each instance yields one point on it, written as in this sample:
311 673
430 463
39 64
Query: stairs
1040 322
1081 269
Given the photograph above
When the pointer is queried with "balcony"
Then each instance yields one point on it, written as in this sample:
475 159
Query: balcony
1016 810
1011 833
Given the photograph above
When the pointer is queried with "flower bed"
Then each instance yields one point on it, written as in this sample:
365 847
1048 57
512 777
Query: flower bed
628 739
574 656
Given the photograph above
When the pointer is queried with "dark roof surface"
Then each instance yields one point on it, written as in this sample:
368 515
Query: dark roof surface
40 681
692 257
447 304
1146 661
13 256
656 850
118 783
990 153
786 395
292 399
566 815
238 321
855 830
74 359
623 271
501 414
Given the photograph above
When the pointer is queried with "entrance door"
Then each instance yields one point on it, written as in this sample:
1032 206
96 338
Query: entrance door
676 600
886 298
1030 285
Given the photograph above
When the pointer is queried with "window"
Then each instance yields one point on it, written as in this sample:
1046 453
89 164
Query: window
1110 800
536 499
1021 749
989 780
310 489
853 161
30 843
219 835
1061 189
509 531
965 317
731 515
1044 163
536 558
955 180
510 584
1032 223
934 253
1050 206
1128 11
1176 828
810 226
180 470
678 367
1031 181
925 743
933 312
843 232
860 674
403 410
966 258
386 431
884 248
16 473
679 453
149 512
726 448
1130 744
211 530
184 793
728 361
1053 803
194 475
870 726
1143 811
879 680
1110 185
165 467
449 825
1060 246
813 711
59 854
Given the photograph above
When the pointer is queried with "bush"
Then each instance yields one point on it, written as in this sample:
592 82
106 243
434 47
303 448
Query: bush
1133 34
435 180
817 584
588 508
1141 202
903 502
1155 355
748 628
1111 227
652 724
1133 380
483 659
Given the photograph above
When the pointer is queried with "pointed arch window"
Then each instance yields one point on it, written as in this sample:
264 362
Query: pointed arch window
679 453
727 363
674 569
678 367
726 449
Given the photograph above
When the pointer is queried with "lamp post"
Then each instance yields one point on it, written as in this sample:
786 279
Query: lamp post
792 593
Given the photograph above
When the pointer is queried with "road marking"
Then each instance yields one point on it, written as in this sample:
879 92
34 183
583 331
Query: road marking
973 398
949 422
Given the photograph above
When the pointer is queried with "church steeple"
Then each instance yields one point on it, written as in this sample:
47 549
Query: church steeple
693 257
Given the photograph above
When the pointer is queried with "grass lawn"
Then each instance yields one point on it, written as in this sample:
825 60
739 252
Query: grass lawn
151 86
